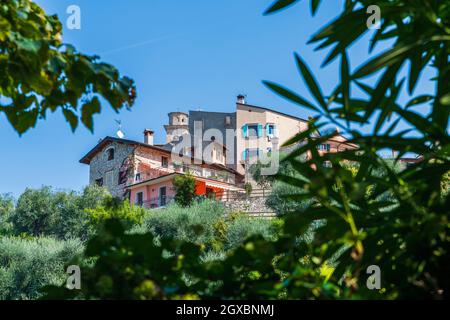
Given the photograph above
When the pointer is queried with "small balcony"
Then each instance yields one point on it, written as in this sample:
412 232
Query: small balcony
154 203
213 174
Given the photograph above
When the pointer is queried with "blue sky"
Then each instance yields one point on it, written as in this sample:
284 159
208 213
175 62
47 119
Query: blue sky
183 55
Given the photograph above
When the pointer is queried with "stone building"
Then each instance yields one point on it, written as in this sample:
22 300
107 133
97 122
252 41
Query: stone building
144 172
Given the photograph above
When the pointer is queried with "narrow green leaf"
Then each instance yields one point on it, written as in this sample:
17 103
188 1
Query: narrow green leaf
293 97
415 68
314 6
345 81
388 106
380 91
313 87
387 59
279 5
419 100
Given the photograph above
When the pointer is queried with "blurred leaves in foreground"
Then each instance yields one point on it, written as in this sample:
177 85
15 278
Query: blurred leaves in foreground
40 73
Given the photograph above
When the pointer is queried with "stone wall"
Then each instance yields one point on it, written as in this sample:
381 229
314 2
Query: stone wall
253 206
100 166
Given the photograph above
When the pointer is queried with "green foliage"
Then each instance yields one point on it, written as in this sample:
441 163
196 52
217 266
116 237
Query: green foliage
26 265
6 210
62 215
282 199
205 223
184 189
396 219
38 73
248 188
123 211
263 181
243 227
132 266
170 257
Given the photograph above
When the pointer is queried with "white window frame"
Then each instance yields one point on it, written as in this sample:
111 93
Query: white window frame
109 178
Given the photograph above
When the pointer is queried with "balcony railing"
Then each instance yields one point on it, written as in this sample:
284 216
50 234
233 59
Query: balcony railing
154 203
219 175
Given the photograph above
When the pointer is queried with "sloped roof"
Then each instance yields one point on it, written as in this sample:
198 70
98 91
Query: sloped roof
91 154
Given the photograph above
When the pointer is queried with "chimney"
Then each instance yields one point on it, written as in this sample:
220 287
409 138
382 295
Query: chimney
148 136
241 99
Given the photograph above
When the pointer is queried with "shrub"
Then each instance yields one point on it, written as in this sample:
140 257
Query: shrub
244 227
194 224
26 265
248 188
277 200
206 223
127 213
184 189
61 215
6 210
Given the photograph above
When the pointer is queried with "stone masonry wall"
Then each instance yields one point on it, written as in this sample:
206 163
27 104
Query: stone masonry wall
100 166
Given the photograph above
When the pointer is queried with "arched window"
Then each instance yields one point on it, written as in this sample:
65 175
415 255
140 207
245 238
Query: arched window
110 154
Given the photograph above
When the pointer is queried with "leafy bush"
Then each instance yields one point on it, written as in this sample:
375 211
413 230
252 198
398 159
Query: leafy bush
125 212
184 189
206 223
279 201
28 264
6 210
62 215
194 224
244 227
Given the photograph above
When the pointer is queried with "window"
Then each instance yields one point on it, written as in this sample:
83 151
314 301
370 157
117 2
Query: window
324 147
110 154
109 178
163 196
252 130
251 154
138 177
270 130
165 162
99 182
139 198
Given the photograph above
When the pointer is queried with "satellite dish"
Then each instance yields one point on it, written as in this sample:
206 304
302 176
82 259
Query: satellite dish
120 134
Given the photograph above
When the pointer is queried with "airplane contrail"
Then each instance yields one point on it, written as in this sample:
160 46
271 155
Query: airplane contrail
139 44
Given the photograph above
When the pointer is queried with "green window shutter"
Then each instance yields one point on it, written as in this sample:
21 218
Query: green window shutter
244 154
245 131
260 130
